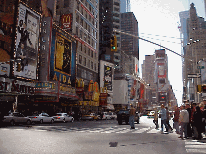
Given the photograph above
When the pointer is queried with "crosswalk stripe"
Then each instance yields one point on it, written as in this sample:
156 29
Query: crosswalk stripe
141 130
153 131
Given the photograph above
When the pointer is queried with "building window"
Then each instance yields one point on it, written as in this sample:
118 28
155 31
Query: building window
76 31
91 65
88 64
85 49
66 3
95 67
81 47
89 52
95 55
92 53
85 61
78 7
80 59
89 39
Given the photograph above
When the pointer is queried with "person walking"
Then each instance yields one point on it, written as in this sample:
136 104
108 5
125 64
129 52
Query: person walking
198 124
183 121
156 119
189 126
176 119
163 118
131 117
204 120
168 119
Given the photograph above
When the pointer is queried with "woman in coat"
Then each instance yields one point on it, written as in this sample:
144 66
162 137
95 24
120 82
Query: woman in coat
198 124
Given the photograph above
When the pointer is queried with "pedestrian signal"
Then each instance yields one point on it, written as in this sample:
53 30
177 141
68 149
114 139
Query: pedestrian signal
113 43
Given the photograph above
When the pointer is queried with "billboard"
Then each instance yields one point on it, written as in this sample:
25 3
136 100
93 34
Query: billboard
108 77
27 43
63 57
136 62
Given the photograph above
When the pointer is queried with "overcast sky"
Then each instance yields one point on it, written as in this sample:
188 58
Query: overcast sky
158 22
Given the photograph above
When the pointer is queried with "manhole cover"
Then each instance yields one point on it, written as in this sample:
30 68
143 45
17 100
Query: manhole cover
113 144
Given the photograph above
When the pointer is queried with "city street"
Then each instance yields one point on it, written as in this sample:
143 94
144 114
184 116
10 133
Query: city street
104 136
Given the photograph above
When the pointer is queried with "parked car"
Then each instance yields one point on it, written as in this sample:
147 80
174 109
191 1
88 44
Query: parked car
16 118
113 115
106 116
63 117
123 116
91 116
41 118
151 114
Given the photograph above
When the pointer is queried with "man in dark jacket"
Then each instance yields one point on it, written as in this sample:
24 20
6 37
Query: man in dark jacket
189 127
197 118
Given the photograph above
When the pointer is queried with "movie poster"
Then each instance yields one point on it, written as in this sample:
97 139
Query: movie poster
63 54
27 41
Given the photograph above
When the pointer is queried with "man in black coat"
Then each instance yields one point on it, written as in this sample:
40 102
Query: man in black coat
189 126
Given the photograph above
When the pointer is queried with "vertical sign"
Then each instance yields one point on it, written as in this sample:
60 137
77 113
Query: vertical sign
27 42
108 77
45 49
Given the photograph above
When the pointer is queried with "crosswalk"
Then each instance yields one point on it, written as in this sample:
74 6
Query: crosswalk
106 130
195 146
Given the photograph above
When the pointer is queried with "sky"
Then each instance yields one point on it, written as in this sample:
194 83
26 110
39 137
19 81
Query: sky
158 21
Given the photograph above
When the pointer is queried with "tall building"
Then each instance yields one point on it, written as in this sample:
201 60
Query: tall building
85 28
194 51
148 68
125 6
109 19
129 44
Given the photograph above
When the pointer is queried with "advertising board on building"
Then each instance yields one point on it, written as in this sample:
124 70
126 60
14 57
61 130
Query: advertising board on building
161 70
66 21
27 43
108 77
63 57
46 91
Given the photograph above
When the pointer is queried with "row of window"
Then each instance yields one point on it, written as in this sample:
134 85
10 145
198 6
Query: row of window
88 63
85 74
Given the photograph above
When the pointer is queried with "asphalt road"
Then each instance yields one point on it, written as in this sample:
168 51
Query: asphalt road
94 137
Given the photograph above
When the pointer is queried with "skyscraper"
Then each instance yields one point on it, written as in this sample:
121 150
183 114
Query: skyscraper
125 6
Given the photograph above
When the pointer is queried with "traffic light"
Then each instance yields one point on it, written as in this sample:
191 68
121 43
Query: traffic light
113 43
199 88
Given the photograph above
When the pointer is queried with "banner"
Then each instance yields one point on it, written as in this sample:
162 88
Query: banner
27 43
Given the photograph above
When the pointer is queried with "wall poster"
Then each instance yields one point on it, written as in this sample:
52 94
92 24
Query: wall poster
27 43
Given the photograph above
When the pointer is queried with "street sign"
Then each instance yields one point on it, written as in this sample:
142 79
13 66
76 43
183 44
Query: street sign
194 75
200 67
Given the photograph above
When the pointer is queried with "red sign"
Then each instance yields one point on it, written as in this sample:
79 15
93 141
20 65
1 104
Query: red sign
66 21
103 99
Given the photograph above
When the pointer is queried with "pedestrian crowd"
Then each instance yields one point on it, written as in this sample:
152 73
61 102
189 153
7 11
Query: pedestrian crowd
189 119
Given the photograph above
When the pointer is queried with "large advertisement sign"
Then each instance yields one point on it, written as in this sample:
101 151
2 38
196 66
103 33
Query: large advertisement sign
7 9
66 21
63 57
161 70
108 77
27 43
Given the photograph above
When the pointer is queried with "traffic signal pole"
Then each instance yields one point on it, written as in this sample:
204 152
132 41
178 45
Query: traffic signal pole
118 31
